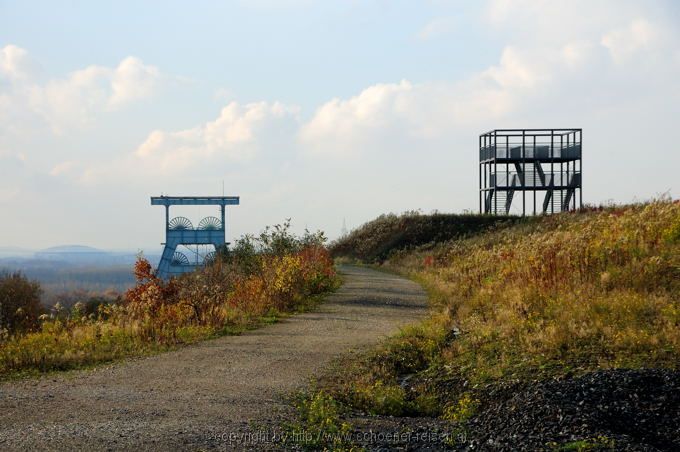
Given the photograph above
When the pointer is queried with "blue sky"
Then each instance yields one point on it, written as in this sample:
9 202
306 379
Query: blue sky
293 51
316 111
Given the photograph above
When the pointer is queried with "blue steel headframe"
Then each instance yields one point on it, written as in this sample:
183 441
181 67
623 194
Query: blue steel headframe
170 265
194 200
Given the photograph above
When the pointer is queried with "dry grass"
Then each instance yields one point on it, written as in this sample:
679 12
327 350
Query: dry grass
254 286
557 295
591 290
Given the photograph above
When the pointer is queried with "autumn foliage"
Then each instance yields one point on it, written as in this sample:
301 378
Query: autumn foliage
544 297
261 277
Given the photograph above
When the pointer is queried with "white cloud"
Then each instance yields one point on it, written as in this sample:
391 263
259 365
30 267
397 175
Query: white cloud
339 126
577 53
548 71
519 69
389 116
76 98
132 80
14 62
236 134
62 168
626 42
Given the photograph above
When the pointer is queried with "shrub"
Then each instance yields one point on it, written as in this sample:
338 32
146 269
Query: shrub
272 273
19 303
379 239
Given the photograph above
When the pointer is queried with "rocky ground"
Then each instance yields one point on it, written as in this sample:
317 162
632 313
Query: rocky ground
615 409
635 410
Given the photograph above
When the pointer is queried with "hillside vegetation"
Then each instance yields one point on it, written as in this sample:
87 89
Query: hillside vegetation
376 240
550 297
260 279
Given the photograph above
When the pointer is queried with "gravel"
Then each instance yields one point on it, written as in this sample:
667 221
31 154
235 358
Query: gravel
634 410
626 409
229 393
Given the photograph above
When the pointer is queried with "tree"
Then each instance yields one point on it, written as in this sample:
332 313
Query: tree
19 302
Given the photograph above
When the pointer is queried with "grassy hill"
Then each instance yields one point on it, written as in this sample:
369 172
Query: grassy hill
549 305
376 240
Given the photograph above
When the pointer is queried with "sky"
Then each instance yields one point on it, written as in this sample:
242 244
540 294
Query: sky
318 111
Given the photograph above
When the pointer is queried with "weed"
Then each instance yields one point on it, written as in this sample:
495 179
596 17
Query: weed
319 425
461 410
381 398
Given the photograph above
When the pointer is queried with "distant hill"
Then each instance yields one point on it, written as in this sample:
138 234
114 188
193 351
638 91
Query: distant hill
71 255
71 249
75 254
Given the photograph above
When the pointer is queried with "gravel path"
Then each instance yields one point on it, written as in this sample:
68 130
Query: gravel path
215 394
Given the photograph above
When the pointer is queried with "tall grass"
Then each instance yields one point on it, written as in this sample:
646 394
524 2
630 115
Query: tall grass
561 294
590 290
260 279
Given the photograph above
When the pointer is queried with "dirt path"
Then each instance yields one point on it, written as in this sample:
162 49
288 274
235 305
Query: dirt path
211 394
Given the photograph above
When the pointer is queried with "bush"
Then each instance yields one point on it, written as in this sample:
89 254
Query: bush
19 303
263 276
379 239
